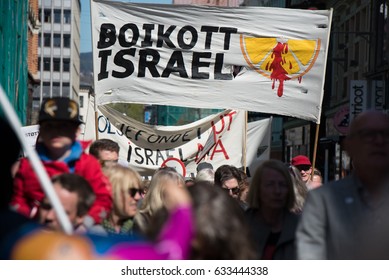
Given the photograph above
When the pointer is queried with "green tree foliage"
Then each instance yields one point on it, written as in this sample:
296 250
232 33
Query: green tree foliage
134 111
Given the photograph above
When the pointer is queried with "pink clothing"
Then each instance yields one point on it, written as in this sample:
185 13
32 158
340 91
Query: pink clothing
174 242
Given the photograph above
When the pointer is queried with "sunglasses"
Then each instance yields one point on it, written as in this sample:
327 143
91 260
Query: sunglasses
132 192
303 167
234 191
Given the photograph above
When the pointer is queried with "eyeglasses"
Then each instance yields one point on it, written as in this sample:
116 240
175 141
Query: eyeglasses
234 191
369 135
132 192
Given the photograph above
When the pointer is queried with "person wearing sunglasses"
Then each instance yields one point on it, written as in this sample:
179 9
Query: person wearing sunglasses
228 178
127 191
304 165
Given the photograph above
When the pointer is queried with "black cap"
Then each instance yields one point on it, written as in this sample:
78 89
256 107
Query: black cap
59 109
203 165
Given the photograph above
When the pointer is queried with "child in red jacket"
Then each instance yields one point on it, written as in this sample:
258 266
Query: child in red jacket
60 152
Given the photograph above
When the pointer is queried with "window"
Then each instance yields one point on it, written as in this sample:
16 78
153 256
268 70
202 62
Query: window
56 64
57 16
46 64
66 65
66 40
47 40
47 16
39 39
57 40
66 16
81 101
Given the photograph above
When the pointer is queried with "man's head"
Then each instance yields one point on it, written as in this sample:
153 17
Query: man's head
105 150
59 123
368 143
75 195
304 165
228 177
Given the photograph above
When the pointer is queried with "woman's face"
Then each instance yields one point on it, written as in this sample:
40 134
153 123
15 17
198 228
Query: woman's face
273 190
133 195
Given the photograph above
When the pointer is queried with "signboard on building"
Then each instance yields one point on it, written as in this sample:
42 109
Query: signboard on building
342 120
358 98
378 95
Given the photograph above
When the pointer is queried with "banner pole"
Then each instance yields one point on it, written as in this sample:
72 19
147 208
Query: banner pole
96 119
315 149
245 143
36 163
94 78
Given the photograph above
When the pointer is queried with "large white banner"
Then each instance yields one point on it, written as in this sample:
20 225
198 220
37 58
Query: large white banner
146 148
269 60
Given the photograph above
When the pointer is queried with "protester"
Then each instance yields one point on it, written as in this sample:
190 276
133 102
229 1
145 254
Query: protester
127 191
228 178
216 238
304 165
173 243
155 197
300 189
205 174
106 151
316 180
76 196
221 231
204 165
271 198
347 219
60 152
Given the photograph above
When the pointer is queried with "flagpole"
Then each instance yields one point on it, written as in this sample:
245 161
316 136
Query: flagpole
36 163
245 143
315 148
94 78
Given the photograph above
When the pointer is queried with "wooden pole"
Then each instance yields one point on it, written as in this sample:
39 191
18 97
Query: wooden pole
245 142
94 78
315 149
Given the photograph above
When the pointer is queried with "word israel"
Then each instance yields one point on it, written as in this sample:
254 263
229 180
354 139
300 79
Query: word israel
142 43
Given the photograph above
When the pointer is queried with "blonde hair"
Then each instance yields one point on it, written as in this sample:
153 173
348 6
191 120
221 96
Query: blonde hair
121 178
254 195
154 199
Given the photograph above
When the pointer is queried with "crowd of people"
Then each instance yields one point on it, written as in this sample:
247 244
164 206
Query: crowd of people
282 212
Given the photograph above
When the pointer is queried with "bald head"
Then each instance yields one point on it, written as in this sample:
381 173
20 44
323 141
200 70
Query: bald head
368 143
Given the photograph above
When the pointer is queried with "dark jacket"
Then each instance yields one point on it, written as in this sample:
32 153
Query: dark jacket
285 247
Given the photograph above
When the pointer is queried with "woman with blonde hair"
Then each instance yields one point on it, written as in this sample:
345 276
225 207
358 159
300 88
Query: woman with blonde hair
300 189
155 198
271 199
126 192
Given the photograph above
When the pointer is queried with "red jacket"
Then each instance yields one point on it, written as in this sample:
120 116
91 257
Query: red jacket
28 193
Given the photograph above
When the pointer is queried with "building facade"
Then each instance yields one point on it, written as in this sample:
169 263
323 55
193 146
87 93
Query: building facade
13 54
58 50
357 71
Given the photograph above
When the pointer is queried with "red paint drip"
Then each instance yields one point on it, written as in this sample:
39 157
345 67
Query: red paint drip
277 71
